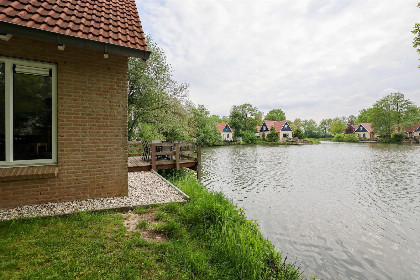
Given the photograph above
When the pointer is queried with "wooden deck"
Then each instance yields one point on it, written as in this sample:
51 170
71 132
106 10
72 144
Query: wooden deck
137 164
145 156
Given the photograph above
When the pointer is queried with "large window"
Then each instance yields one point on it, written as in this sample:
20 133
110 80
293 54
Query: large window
28 133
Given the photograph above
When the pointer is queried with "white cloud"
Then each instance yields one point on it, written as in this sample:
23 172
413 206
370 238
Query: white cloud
314 59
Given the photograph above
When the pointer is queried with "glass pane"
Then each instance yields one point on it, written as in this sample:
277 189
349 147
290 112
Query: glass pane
2 114
32 117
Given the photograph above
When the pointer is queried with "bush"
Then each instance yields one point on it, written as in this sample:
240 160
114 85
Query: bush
273 135
345 138
298 133
249 137
397 137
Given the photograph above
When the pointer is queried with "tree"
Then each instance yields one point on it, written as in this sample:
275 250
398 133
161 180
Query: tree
310 129
364 116
244 118
273 135
298 133
416 32
324 127
207 133
351 119
350 127
155 98
393 112
275 115
337 127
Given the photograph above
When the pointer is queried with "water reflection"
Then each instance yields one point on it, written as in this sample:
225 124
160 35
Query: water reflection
346 211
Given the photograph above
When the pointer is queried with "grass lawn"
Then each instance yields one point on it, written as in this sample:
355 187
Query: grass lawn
206 238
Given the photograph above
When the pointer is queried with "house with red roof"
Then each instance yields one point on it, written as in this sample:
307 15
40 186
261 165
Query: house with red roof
364 131
282 127
63 101
225 131
413 131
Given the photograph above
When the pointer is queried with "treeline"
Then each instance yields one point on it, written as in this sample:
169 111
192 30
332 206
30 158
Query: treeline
159 109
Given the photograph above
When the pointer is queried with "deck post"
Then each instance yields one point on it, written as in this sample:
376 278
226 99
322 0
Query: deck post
153 155
199 162
177 155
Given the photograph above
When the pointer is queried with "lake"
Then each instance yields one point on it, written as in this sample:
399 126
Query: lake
339 210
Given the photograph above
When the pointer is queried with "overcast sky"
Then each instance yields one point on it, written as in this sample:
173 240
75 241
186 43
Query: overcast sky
312 58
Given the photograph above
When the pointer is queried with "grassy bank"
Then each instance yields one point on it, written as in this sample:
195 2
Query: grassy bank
206 238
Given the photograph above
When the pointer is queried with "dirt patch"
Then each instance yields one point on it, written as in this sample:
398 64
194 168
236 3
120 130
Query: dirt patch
131 220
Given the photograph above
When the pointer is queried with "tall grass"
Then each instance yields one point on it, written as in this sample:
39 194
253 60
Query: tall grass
232 240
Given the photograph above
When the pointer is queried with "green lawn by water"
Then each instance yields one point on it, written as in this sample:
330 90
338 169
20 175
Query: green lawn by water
206 238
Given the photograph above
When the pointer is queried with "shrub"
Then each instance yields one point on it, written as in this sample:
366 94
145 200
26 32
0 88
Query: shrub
397 137
273 135
249 137
298 133
345 138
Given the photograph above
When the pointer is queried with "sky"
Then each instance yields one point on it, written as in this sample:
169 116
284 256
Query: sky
313 59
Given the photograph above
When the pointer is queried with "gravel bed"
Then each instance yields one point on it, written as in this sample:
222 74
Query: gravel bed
143 188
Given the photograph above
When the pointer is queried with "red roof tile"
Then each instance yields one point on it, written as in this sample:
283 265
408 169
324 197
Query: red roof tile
412 128
367 126
109 21
221 126
278 125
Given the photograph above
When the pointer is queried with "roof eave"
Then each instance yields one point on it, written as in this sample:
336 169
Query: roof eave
47 36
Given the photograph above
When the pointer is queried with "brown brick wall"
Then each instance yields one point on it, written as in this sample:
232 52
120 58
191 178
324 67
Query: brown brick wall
92 126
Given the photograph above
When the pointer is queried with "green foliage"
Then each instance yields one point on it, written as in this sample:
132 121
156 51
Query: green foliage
249 137
312 140
156 99
298 133
244 119
337 127
273 135
340 137
207 133
393 112
275 115
397 137
324 128
416 32
310 129
364 116
233 241
148 132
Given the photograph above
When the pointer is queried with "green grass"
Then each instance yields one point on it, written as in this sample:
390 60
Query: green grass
207 238
142 225
313 140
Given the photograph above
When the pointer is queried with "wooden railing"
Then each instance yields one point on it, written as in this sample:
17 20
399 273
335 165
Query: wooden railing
168 153
139 149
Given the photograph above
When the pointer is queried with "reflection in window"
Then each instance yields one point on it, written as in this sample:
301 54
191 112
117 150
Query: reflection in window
32 116
2 113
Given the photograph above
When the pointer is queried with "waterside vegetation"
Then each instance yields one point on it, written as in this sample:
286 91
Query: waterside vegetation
159 109
206 238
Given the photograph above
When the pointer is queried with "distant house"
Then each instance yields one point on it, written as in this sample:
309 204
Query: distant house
225 131
63 101
412 131
282 127
364 130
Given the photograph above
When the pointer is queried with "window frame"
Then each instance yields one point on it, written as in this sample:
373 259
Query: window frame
8 74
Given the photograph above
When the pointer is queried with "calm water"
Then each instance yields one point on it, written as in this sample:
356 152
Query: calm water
342 211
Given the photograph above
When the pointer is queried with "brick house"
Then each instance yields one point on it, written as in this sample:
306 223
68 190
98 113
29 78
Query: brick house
412 131
63 103
282 127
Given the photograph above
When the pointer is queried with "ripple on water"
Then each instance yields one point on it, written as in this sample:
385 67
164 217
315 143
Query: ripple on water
342 211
